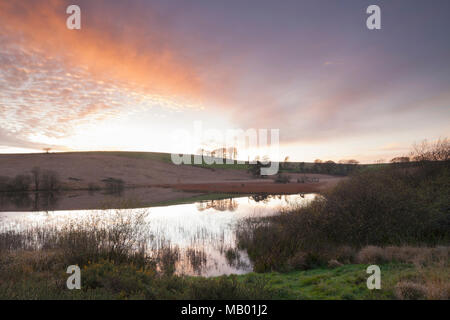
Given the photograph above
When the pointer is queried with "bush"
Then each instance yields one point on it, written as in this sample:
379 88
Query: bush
227 288
371 255
407 290
282 178
378 208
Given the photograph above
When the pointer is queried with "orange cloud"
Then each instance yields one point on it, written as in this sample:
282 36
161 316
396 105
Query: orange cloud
154 69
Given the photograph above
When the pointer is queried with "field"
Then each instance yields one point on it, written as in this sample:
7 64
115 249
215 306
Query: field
393 216
146 177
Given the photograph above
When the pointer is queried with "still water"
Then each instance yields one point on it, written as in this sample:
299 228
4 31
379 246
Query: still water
202 231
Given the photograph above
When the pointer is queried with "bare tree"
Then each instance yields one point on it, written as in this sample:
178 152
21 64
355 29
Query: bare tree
425 151
400 160
232 151
224 153
350 161
47 150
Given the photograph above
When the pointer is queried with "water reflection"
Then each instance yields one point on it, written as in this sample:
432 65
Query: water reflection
201 234
220 205
34 201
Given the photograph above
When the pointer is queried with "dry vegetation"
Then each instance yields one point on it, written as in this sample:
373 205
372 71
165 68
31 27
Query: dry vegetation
379 215
394 215
118 257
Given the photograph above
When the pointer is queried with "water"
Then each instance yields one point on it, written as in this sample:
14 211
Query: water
203 231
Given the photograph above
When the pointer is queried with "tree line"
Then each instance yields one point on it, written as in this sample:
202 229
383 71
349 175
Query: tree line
35 180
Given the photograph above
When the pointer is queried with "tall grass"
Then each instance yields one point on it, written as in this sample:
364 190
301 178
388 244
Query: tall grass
120 236
119 259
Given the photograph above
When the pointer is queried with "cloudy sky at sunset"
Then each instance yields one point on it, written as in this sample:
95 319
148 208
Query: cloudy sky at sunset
139 70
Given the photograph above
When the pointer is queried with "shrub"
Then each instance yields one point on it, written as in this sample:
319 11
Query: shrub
228 288
407 290
282 178
377 208
371 255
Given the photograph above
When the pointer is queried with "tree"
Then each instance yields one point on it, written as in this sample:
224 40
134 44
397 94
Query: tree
400 160
438 151
301 167
47 150
232 152
285 163
329 166
350 161
266 159
201 152
255 169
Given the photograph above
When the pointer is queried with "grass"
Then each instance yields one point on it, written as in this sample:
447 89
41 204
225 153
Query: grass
395 217
110 281
342 283
160 156
119 259
202 197
166 157
384 207
115 266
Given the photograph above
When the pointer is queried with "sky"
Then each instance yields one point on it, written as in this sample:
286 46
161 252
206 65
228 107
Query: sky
139 71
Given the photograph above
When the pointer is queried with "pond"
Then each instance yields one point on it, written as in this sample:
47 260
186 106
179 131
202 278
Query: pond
203 232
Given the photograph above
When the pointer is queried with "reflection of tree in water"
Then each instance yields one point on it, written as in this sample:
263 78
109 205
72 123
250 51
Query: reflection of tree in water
220 205
234 258
45 201
264 198
197 259
36 201
18 200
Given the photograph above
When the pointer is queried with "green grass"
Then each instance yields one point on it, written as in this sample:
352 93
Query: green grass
346 282
164 157
233 166
202 197
108 281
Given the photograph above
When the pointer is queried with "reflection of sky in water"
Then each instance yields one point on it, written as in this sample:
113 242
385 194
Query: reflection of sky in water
205 226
